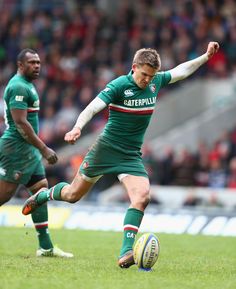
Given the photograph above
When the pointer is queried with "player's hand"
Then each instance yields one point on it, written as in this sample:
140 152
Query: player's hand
49 155
212 48
72 136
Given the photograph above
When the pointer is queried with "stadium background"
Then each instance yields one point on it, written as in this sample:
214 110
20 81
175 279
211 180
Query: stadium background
85 44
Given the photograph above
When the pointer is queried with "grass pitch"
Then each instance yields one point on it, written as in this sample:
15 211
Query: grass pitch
185 262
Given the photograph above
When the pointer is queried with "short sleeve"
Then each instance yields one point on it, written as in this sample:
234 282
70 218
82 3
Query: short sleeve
109 93
165 78
18 97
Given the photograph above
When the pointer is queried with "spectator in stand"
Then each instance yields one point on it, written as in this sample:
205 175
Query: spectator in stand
202 172
184 169
192 200
231 179
217 174
164 167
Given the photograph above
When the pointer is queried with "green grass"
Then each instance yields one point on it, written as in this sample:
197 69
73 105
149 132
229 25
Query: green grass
185 262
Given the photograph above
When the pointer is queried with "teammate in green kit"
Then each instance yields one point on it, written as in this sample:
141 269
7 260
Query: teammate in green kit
131 99
21 149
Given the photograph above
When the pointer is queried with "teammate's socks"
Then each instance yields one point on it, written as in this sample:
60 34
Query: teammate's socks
40 220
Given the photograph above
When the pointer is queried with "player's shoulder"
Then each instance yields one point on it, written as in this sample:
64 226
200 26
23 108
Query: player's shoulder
17 83
120 79
161 74
163 77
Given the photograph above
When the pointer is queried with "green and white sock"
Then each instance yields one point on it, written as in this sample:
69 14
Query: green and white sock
53 193
132 222
40 220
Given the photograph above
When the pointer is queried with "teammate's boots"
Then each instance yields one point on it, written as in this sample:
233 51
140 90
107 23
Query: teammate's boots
53 252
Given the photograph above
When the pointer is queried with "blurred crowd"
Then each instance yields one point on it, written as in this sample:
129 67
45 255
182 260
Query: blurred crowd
212 166
82 46
85 44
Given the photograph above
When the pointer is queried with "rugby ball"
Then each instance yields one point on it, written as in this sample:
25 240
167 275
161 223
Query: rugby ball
146 251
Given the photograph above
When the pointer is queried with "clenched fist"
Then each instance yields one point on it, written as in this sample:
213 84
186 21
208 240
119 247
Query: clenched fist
72 136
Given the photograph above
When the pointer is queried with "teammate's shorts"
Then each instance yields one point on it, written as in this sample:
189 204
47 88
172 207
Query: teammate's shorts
19 161
103 159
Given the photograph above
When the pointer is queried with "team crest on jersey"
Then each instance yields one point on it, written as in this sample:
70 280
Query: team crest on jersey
128 92
152 87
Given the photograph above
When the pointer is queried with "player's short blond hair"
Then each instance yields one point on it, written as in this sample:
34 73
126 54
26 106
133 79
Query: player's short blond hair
147 56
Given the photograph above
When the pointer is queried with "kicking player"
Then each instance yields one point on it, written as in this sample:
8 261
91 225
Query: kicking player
21 149
131 99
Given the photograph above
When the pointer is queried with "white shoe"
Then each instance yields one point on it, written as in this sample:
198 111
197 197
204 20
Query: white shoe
53 252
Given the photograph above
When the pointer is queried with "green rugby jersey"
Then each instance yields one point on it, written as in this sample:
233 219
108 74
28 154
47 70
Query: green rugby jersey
130 109
20 94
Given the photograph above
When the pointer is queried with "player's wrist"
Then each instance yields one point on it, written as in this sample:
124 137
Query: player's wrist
77 127
206 57
42 148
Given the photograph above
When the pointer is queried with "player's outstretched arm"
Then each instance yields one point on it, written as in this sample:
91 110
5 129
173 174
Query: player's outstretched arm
85 116
187 68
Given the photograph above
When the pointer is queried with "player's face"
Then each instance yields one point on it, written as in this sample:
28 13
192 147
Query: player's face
143 74
30 67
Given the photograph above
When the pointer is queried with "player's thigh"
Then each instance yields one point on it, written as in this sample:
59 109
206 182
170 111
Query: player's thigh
137 187
42 183
37 179
7 190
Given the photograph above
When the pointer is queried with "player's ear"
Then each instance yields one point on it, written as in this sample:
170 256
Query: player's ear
134 66
20 64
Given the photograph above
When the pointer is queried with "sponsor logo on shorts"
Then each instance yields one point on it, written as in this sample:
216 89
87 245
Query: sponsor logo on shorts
2 172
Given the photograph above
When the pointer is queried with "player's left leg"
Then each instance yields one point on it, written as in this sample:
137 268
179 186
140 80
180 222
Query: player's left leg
40 220
137 188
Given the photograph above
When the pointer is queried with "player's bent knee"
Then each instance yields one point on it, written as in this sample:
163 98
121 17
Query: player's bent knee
145 200
141 201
